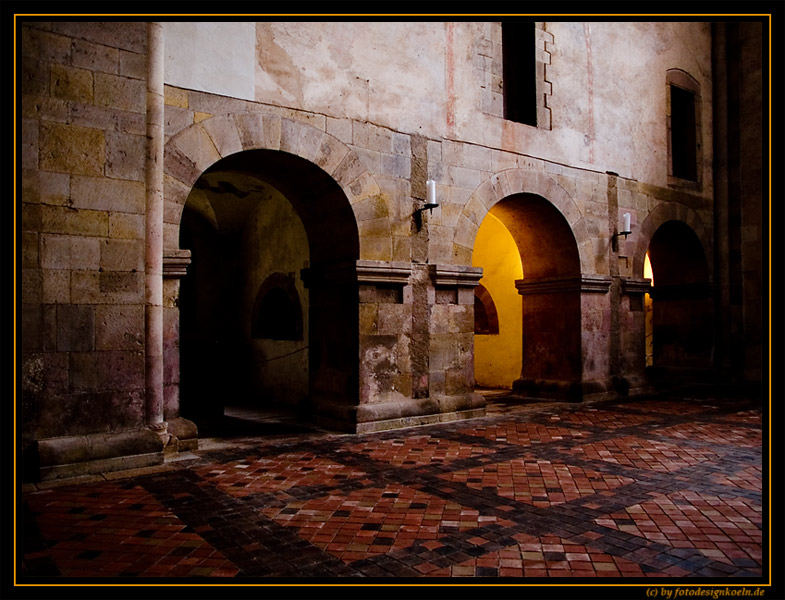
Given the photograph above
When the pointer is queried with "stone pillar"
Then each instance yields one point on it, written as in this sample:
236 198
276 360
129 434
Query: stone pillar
632 319
451 362
566 323
333 343
596 336
154 211
386 384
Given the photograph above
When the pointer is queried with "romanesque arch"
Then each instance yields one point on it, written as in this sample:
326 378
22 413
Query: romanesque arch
546 229
345 218
669 211
679 324
194 149
519 181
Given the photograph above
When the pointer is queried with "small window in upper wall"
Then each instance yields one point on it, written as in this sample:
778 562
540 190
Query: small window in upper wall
519 72
683 154
684 147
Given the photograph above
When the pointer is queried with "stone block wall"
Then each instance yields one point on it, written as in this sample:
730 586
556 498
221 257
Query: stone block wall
83 205
83 202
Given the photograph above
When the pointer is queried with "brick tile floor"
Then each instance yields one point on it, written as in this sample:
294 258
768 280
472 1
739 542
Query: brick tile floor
652 488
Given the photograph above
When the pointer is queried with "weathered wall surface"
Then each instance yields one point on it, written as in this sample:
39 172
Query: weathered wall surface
83 137
333 69
380 108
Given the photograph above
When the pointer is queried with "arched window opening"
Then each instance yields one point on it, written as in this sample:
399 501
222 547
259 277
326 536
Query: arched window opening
277 312
486 317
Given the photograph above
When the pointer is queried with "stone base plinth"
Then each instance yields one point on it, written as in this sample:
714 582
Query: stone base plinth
406 412
98 453
564 391
414 421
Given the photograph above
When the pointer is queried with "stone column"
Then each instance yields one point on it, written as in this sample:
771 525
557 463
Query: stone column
566 322
451 362
154 212
633 334
387 399
597 346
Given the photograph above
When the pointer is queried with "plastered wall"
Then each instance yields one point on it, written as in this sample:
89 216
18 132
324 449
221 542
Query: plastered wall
436 73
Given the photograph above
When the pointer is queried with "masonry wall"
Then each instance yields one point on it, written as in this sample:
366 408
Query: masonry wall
440 122
409 102
83 140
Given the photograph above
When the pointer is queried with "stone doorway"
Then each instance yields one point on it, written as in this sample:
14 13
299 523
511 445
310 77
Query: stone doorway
532 275
679 332
268 309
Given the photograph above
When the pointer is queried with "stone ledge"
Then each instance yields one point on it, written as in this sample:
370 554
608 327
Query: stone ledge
96 453
408 407
415 421
635 286
120 463
455 275
379 271
411 412
557 285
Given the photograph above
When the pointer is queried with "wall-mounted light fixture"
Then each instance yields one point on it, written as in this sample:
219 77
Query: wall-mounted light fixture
626 230
430 203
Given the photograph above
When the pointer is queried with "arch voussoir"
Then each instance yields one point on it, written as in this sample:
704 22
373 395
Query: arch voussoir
669 211
518 181
197 145
224 134
194 149
258 130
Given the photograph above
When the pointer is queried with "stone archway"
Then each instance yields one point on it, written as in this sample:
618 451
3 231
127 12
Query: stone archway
663 213
240 139
561 295
681 328
508 183
193 150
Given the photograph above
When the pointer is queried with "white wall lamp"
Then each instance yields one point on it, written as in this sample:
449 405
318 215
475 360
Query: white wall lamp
430 203
626 230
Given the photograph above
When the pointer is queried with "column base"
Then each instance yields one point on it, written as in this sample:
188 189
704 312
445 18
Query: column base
185 435
565 391
406 412
411 412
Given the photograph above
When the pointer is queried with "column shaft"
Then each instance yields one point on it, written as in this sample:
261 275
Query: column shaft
154 210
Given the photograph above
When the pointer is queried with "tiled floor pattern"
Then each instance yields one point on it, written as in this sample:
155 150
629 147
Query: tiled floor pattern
658 488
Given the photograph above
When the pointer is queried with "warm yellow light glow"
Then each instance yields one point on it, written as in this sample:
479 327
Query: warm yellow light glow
497 358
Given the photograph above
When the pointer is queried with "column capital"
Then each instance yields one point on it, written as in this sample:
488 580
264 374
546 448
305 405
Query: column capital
631 286
384 272
585 284
455 275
